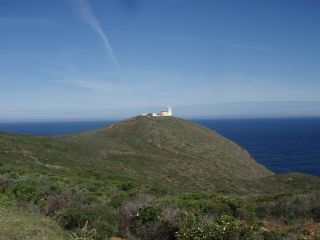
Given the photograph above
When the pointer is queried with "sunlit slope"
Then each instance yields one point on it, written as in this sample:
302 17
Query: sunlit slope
170 150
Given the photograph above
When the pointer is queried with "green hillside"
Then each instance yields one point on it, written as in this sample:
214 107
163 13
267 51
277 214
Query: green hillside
163 169
171 151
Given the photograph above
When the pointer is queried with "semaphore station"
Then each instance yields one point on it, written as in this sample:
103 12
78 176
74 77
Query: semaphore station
166 113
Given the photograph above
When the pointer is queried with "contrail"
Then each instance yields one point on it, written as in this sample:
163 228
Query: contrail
90 18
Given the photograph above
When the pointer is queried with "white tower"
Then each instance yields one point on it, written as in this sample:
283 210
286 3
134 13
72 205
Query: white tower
169 110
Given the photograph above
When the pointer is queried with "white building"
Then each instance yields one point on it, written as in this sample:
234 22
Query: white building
160 114
166 113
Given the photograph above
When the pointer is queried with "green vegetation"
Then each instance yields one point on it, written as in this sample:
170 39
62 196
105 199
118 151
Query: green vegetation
21 224
148 178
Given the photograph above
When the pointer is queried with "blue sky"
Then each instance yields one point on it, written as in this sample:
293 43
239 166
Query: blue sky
72 59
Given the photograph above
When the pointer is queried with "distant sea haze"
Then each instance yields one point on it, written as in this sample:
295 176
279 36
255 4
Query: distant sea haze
282 144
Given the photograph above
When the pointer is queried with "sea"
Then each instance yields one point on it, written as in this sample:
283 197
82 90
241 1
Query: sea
281 144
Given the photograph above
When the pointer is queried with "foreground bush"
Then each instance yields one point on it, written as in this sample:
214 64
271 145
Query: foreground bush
148 214
224 228
84 233
315 213
101 218
216 205
138 215
25 192
147 221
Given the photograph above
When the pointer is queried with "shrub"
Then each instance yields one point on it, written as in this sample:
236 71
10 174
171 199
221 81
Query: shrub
148 214
197 202
224 228
315 213
225 205
155 231
193 229
25 192
242 214
210 204
235 229
272 235
11 172
101 218
129 209
4 182
146 221
126 186
54 204
287 208
118 200
85 233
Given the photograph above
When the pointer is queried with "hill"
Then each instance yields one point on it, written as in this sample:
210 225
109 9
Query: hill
146 178
171 151
156 152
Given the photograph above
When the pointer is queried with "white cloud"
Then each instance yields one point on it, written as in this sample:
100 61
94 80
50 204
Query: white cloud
89 16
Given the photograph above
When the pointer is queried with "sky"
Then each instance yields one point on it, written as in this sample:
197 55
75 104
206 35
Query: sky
95 59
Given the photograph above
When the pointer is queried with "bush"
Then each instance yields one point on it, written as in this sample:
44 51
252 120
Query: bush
315 213
272 236
224 205
224 228
129 209
242 214
101 218
194 202
25 192
56 202
215 206
210 231
11 172
148 214
149 224
4 182
126 186
145 221
85 233
287 208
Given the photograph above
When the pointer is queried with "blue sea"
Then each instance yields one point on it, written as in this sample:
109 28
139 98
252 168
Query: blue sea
282 145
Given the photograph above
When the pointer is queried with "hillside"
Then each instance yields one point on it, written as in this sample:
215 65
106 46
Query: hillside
147 178
172 151
169 153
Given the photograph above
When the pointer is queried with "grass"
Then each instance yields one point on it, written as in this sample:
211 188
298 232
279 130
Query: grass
20 224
